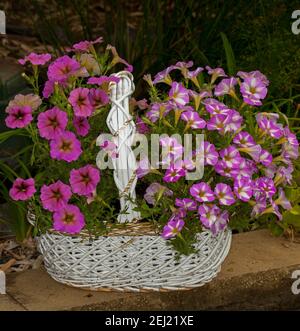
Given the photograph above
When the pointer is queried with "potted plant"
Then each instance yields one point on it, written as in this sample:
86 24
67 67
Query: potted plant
92 228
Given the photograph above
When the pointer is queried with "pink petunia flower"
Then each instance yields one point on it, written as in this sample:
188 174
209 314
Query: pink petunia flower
18 117
22 189
224 193
202 192
217 122
81 125
173 174
65 147
111 148
186 203
55 196
52 123
86 45
84 180
243 188
68 219
80 100
233 121
48 89
63 68
193 120
173 227
209 153
98 98
103 80
224 170
226 86
31 100
35 59
179 94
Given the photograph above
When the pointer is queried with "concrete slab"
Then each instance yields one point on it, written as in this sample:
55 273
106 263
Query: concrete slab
256 275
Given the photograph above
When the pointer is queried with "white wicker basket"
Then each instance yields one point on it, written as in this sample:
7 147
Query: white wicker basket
130 261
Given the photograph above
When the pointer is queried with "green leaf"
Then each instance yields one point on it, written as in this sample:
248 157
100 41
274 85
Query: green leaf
230 59
296 211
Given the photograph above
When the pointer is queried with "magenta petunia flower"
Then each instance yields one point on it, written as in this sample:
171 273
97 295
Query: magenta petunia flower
173 227
224 170
81 125
65 147
245 169
282 200
141 126
153 190
18 117
191 74
84 180
143 167
35 59
254 74
231 156
55 196
259 207
158 110
284 175
233 121
213 218
68 219
217 122
202 192
173 174
243 188
186 203
86 45
209 153
265 158
63 68
269 126
226 86
254 151
224 193
110 148
264 187
215 107
193 120
52 123
171 147
103 80
22 189
80 100
164 76
179 94
253 91
117 59
98 98
244 139
215 73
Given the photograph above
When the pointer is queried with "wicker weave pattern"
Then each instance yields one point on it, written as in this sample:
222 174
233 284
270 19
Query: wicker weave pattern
127 263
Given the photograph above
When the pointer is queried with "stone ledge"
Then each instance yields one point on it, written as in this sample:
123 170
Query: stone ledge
255 275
